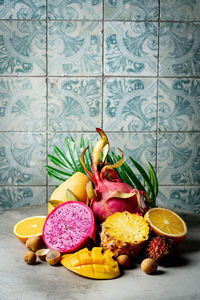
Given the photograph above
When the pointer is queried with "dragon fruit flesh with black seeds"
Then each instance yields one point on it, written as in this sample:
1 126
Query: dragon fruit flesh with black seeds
69 227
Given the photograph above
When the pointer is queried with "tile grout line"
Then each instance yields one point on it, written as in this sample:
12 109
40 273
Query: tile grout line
102 70
100 76
47 102
158 62
93 131
100 20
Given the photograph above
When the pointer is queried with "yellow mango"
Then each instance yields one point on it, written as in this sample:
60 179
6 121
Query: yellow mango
92 264
97 256
76 184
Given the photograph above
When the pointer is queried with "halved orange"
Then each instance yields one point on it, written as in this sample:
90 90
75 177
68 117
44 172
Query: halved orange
28 227
166 222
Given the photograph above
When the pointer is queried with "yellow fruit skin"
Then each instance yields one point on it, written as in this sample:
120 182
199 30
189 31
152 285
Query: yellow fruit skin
92 264
76 184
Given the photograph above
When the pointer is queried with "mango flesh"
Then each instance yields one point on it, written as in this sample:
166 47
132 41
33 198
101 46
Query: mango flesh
92 264
76 184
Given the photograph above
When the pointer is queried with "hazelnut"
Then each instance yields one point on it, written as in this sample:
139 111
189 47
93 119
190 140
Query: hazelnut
30 257
124 260
53 257
34 243
149 265
41 253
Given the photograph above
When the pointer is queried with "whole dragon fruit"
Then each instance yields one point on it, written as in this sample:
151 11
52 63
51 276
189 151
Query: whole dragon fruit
110 194
69 227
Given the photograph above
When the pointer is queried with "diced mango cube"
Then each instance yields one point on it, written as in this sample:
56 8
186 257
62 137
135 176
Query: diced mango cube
92 264
97 256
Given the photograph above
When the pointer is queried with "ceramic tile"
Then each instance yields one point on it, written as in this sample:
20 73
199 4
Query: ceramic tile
179 104
75 10
23 9
180 10
179 158
22 104
179 49
140 146
14 197
130 48
22 158
74 104
131 10
75 48
180 197
22 48
130 104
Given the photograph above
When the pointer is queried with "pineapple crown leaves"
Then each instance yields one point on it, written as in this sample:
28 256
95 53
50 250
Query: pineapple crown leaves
69 163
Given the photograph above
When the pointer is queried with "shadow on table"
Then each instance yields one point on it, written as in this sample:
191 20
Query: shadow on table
179 258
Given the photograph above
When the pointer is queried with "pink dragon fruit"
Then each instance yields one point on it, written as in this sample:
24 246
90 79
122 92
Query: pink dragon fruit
110 194
69 227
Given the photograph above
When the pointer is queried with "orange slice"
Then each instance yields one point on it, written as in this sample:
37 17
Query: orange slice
166 222
28 227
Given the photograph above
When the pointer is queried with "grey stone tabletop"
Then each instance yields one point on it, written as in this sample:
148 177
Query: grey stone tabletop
19 281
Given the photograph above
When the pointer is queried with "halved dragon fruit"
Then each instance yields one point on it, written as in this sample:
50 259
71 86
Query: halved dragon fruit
69 227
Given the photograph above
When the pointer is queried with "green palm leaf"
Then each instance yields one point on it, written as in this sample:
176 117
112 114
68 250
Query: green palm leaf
61 156
69 163
58 162
135 181
58 174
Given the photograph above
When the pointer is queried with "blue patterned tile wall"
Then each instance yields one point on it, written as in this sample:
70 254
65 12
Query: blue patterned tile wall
130 104
74 103
130 67
23 48
74 47
130 48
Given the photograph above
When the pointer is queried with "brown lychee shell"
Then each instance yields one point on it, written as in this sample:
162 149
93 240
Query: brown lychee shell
124 260
30 257
149 265
42 253
34 243
53 257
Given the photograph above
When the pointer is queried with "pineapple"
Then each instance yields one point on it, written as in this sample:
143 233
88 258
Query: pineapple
124 233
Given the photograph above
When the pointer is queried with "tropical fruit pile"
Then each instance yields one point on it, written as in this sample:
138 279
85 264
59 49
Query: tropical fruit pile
101 218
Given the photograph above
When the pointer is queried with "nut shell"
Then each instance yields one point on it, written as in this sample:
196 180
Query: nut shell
149 265
34 243
53 257
30 257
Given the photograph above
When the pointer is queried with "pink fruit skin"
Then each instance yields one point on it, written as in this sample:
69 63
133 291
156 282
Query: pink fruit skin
105 204
69 227
111 195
